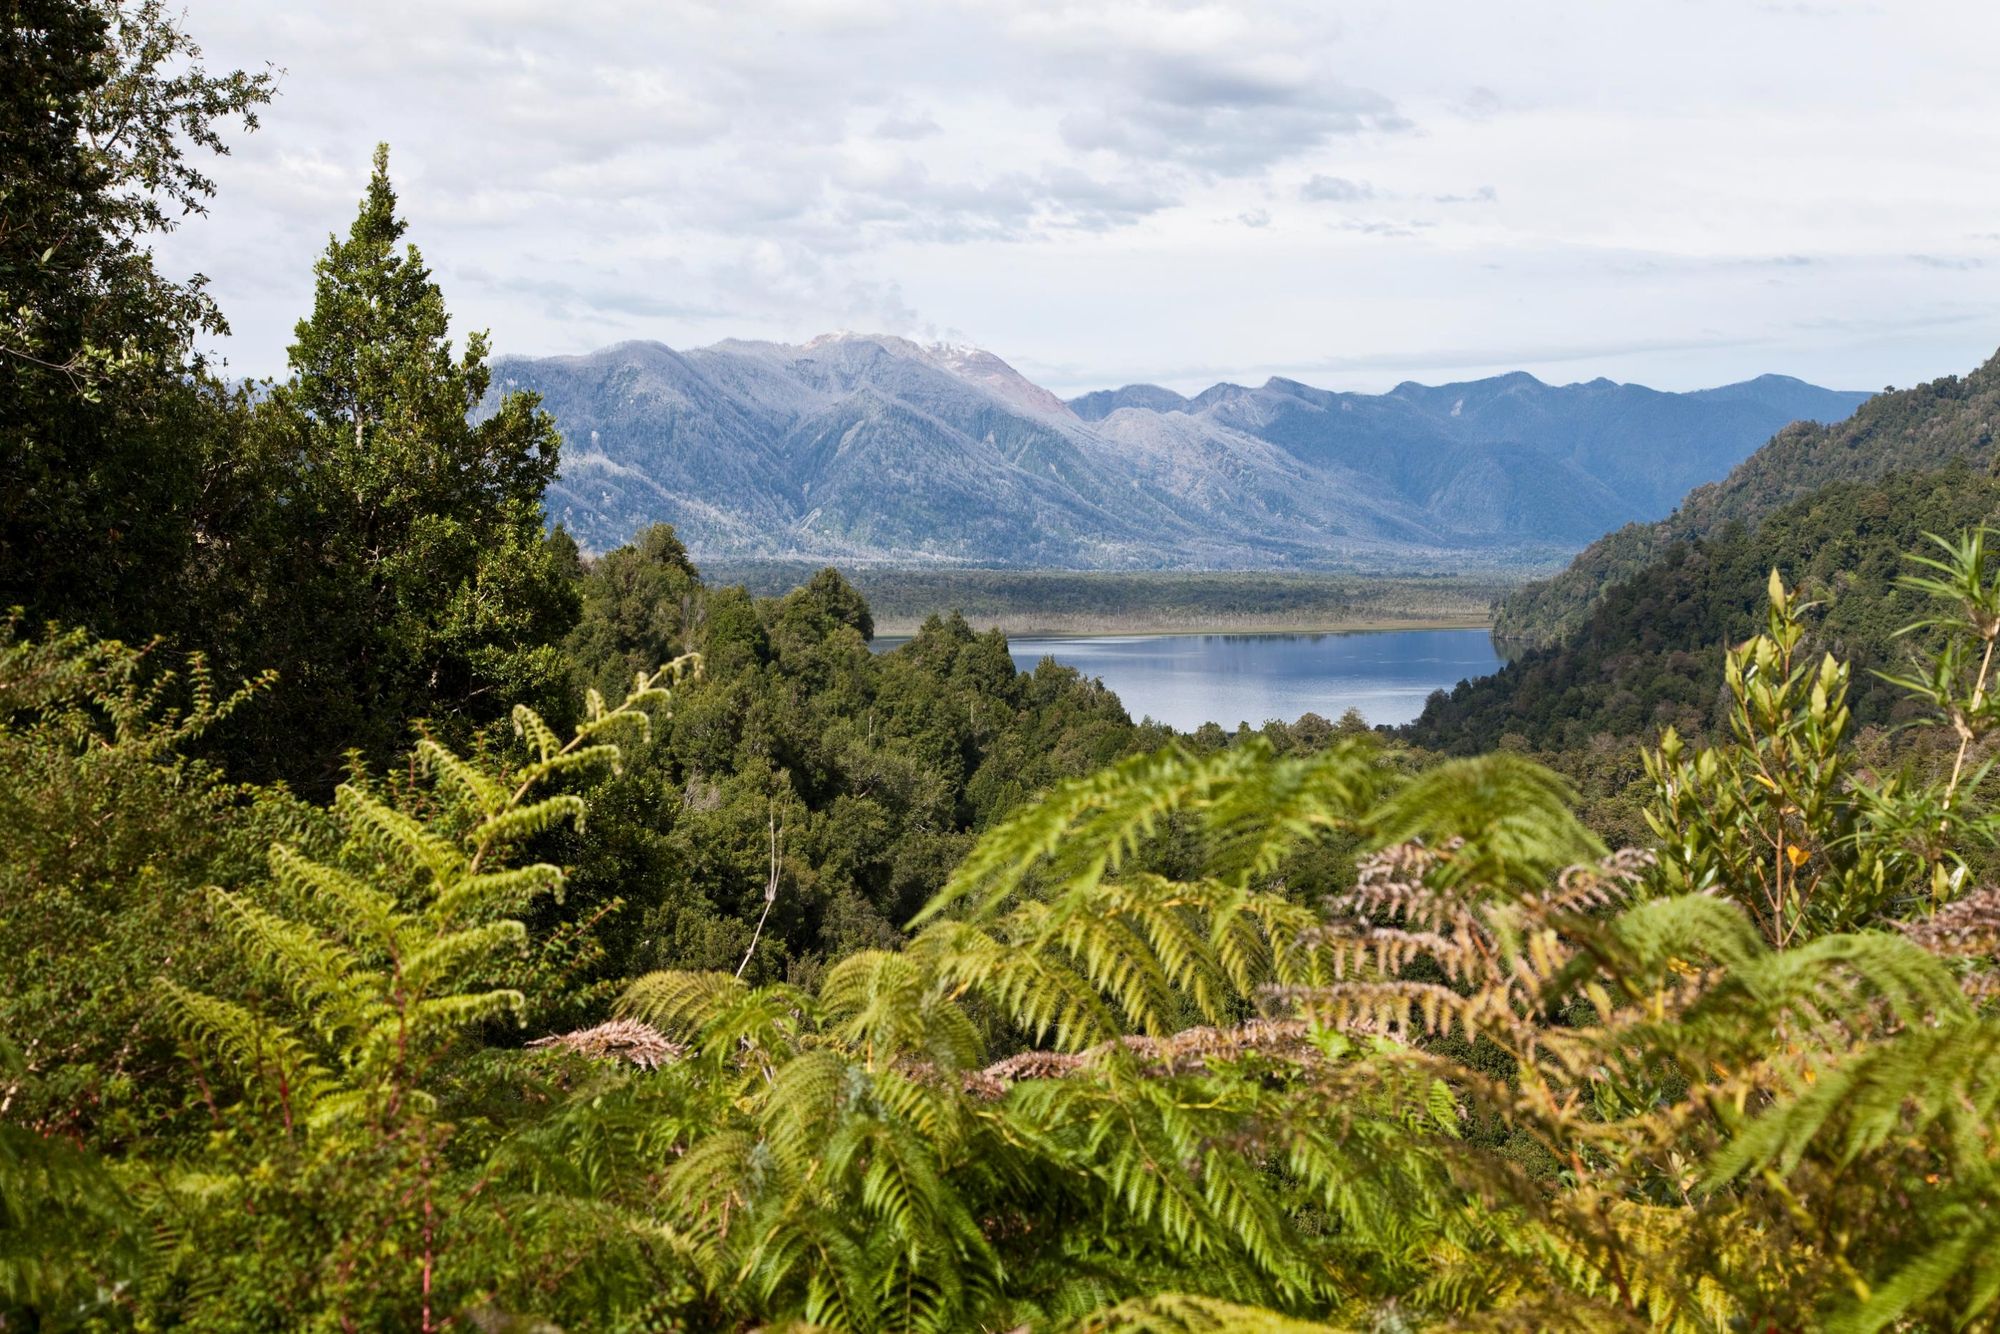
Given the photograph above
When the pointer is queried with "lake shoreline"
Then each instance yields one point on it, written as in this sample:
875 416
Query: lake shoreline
1191 679
1103 627
1072 603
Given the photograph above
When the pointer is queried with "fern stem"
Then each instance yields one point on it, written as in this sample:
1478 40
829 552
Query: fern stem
430 1254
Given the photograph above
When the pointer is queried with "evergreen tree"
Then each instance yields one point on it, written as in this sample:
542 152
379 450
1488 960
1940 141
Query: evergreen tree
408 572
640 605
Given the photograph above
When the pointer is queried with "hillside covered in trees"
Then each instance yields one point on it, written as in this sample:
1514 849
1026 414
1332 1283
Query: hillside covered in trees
1906 430
1648 656
411 923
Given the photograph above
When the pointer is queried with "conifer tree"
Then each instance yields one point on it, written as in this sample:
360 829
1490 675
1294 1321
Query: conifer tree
410 576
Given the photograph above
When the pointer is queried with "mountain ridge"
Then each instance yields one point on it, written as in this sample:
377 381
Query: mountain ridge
877 449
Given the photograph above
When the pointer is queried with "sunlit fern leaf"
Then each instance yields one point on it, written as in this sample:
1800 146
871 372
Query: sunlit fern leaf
279 1063
481 896
371 912
1654 936
1946 1077
1251 823
1961 1258
443 960
1834 978
401 837
481 790
528 725
330 983
519 823
889 1007
681 1004
1044 997
1083 828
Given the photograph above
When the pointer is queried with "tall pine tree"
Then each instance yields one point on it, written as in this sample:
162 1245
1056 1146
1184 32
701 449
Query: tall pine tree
409 575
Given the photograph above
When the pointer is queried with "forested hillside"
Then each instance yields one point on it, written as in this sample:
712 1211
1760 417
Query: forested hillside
849 782
412 923
1649 655
1906 430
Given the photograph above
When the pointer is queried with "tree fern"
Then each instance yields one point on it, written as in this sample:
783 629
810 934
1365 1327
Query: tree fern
382 960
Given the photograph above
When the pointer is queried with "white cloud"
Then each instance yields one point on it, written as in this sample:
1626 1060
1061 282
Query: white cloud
1323 188
1150 189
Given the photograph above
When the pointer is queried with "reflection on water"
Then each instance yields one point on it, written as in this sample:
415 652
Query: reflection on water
1187 680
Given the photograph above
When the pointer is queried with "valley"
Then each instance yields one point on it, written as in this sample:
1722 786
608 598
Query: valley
1085 602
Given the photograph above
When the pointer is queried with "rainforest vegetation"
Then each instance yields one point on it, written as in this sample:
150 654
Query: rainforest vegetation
411 922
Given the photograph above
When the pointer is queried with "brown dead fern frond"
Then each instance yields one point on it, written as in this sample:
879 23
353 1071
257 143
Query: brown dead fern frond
1966 929
625 1040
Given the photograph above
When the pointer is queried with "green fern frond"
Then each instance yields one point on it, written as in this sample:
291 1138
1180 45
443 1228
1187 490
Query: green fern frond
1515 817
1082 829
401 837
372 912
479 789
518 823
731 1022
328 980
1263 813
1959 1262
1946 1077
279 1064
446 960
1835 977
682 1004
541 739
474 897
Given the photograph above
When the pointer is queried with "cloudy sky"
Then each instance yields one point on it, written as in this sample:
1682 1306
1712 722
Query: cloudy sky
1347 192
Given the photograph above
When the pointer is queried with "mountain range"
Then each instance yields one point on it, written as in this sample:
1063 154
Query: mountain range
876 450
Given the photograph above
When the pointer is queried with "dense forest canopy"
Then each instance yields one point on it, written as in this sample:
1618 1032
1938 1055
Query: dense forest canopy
412 924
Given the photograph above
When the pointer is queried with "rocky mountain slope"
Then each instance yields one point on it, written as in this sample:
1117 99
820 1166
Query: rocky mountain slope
869 449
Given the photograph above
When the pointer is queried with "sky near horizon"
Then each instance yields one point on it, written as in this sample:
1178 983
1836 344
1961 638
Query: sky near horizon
1673 192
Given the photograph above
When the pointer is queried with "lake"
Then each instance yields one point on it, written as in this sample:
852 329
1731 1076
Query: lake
1187 680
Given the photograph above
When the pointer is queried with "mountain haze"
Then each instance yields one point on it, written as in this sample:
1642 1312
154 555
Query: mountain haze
875 449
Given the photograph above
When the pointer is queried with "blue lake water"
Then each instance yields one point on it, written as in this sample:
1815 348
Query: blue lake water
1188 680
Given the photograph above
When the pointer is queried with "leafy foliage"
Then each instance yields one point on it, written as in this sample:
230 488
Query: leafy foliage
332 1151
111 832
110 448
1649 656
